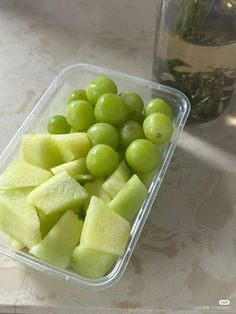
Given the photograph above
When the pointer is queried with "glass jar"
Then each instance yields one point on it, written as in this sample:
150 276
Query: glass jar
195 52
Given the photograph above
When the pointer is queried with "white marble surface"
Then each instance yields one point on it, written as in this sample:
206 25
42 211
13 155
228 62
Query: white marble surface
185 258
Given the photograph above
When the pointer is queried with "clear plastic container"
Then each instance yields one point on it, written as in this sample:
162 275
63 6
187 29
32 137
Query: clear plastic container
53 102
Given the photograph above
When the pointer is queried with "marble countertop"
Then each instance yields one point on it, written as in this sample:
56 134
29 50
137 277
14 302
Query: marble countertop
185 259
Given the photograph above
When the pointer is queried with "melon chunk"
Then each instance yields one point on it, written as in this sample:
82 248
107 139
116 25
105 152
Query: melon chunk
129 199
22 174
73 168
40 150
48 221
59 193
18 218
56 248
117 179
95 188
16 245
72 146
50 150
91 263
104 230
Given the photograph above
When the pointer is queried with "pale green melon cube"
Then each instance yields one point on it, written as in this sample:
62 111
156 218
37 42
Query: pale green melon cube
48 221
16 245
104 230
117 179
129 199
18 218
59 193
22 174
95 188
72 146
73 168
91 263
56 248
40 150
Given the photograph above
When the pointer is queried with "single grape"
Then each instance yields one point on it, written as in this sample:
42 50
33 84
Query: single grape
134 104
103 133
158 128
83 178
142 156
102 160
77 94
80 115
110 108
130 131
58 125
158 105
98 87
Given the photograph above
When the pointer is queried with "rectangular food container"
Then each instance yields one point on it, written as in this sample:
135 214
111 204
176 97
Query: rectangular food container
53 103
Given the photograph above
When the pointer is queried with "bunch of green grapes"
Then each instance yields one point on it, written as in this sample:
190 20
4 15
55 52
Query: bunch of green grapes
117 125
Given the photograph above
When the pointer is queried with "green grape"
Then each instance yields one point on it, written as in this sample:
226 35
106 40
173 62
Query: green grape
158 105
158 128
143 156
83 178
134 104
77 94
98 87
80 115
58 125
130 131
110 108
103 133
102 160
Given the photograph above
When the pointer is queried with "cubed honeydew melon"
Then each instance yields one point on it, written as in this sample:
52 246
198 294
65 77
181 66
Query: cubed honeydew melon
40 150
104 230
73 168
95 188
48 221
50 150
72 146
59 193
56 248
129 199
91 263
22 174
16 245
117 179
18 218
